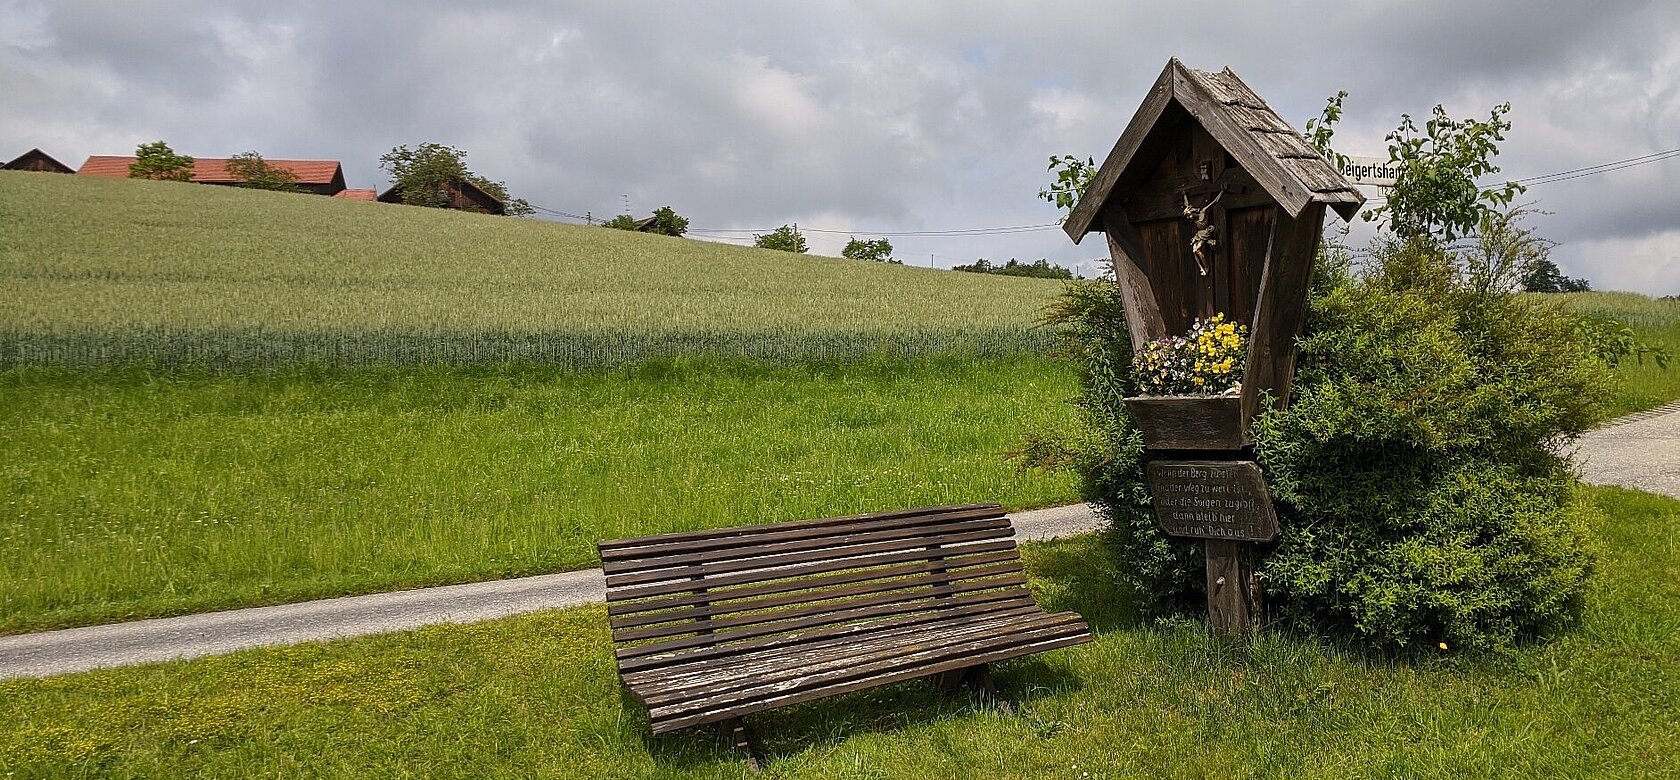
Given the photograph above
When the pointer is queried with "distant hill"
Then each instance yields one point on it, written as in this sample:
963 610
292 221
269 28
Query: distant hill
96 271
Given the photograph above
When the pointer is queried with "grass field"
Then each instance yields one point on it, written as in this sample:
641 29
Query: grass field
96 271
537 696
1657 323
127 494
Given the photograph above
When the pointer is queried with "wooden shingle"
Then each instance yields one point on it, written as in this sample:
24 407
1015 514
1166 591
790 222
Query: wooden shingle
1281 161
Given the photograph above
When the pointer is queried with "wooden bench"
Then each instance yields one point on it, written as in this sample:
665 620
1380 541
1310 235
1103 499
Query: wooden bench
715 625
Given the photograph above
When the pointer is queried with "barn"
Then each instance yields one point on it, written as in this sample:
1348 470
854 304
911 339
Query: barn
36 160
459 194
322 177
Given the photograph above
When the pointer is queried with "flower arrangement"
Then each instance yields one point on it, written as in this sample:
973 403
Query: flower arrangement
1208 360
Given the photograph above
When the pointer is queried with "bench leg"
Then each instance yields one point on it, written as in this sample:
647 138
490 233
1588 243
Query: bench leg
735 731
975 678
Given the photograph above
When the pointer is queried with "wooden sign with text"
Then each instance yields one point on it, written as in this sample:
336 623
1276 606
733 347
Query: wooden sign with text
1208 499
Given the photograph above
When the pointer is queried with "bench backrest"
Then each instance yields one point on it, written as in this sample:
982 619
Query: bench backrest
763 585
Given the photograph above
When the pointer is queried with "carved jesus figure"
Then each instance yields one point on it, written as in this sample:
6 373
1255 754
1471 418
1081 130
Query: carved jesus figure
1206 235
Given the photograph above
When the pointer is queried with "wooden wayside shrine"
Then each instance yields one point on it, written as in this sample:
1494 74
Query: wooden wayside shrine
1213 204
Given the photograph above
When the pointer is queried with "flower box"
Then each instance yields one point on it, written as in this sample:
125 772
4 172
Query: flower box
1190 422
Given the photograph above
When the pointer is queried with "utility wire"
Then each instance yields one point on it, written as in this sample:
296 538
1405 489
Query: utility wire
743 234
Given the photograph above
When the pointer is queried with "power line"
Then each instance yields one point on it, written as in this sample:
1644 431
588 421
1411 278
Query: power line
1600 168
1577 173
743 234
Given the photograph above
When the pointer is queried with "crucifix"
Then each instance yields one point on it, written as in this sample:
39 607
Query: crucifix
1206 236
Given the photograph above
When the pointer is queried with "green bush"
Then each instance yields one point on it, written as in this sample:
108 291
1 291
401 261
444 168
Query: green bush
1420 497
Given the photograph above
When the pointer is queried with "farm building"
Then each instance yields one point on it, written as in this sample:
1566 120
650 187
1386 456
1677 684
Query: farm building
367 195
322 177
463 195
36 160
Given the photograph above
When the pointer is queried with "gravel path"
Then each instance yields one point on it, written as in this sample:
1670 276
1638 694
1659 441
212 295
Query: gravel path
213 633
1639 451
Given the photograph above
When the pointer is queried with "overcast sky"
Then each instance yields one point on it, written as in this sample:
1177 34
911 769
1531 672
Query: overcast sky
867 118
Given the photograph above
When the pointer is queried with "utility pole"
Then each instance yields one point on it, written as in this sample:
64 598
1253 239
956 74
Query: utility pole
589 218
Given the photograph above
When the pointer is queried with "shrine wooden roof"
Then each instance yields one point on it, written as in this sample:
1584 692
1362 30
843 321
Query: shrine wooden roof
1290 170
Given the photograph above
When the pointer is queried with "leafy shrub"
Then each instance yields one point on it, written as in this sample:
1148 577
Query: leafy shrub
1420 498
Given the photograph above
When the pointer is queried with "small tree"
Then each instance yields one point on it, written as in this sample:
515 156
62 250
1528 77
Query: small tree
784 238
255 172
1073 175
1435 195
1544 276
622 222
159 162
877 250
424 171
666 221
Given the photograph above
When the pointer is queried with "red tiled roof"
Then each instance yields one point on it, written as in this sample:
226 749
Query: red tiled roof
213 170
368 195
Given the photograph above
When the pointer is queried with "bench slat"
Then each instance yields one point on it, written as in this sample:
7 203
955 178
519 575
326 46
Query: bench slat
685 565
616 553
983 597
611 546
772 562
822 686
718 629
624 594
796 642
810 592
716 594
745 675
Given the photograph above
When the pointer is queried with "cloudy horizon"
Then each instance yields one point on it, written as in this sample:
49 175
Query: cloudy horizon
861 119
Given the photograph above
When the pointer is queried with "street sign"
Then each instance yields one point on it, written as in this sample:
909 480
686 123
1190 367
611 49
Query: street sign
1370 171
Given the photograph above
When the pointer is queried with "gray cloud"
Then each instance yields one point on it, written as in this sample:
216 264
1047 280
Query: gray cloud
883 116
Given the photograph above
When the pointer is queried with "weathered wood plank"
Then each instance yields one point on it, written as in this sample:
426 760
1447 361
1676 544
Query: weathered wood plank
1281 309
670 685
1125 248
932 528
783 626
852 608
749 530
1189 422
769 563
1234 598
815 640
810 595
821 643
649 548
1287 144
906 669
1316 175
747 681
818 566
715 594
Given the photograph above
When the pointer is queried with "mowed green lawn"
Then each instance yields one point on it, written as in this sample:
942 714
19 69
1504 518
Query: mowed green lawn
126 494
537 696
95 270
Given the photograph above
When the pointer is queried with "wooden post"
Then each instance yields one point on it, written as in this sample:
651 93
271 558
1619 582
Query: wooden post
741 741
1234 606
